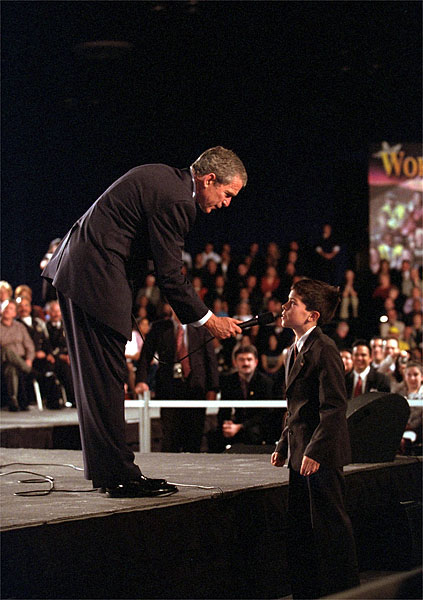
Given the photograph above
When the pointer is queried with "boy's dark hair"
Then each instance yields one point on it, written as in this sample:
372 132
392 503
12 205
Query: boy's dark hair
246 350
320 296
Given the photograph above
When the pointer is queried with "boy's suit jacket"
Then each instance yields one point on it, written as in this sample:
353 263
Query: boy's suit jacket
102 261
316 423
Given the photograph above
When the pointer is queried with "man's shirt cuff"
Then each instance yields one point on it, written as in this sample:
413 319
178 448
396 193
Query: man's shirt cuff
203 319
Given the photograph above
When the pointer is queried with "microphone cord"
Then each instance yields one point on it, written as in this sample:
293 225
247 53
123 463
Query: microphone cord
163 362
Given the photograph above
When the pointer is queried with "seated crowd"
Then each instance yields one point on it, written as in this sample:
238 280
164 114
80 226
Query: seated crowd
378 330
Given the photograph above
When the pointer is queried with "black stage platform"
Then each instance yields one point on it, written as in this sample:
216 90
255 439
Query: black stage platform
225 540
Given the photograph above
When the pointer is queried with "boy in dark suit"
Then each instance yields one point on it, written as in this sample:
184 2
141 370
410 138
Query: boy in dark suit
321 549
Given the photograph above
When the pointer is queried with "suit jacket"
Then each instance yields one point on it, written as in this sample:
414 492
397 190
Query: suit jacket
102 261
316 423
57 339
376 382
39 334
260 424
161 339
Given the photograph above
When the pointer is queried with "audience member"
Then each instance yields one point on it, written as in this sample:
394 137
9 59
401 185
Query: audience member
327 250
209 254
273 256
392 320
6 293
349 301
44 361
133 352
272 362
59 350
24 291
227 266
413 332
150 290
411 442
342 336
346 356
364 378
377 346
257 263
17 355
190 378
270 282
48 292
245 425
414 303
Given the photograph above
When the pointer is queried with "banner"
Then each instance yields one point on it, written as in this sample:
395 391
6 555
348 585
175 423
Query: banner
396 195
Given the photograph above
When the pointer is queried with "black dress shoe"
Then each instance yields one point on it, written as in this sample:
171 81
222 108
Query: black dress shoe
142 488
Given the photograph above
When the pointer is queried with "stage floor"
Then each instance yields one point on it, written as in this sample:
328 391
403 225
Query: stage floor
224 537
73 497
219 473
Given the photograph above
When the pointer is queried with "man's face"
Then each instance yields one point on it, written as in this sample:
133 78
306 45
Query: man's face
9 312
361 358
211 194
246 363
24 308
377 350
391 347
55 313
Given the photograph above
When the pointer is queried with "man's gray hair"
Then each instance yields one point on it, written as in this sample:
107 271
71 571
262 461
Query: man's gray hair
224 163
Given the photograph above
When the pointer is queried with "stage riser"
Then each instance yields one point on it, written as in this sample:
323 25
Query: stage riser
230 546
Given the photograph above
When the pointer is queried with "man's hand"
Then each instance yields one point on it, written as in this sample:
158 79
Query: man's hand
277 459
309 466
230 429
223 327
141 387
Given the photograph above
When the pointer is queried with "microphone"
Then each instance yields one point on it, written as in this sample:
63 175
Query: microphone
263 319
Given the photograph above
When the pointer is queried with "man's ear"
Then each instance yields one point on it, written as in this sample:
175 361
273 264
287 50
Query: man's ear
209 179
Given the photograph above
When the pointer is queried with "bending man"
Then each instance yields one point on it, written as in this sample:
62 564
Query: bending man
99 266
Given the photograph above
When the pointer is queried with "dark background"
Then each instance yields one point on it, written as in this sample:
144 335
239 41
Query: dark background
298 89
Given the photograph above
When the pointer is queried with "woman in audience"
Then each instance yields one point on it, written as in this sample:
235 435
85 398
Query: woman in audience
349 297
411 442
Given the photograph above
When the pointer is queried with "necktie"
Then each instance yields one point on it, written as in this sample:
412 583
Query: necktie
292 358
181 351
358 387
244 388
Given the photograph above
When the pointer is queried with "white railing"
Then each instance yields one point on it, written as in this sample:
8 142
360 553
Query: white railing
144 404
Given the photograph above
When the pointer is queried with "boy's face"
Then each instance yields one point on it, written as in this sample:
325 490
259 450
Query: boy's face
294 312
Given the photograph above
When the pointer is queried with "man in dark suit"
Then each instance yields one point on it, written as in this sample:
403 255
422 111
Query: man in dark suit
246 425
98 267
364 378
194 378
321 548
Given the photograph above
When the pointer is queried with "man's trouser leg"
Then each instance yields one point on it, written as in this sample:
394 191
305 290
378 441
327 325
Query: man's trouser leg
98 371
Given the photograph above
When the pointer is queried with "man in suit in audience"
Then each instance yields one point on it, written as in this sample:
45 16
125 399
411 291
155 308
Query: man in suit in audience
246 425
364 378
193 378
59 349
97 269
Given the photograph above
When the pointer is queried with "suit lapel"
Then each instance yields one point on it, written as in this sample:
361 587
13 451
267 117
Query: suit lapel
299 363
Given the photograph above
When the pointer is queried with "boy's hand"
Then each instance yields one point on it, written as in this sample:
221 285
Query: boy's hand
309 466
277 459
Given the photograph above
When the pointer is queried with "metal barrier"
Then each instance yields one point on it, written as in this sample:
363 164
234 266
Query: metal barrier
144 404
